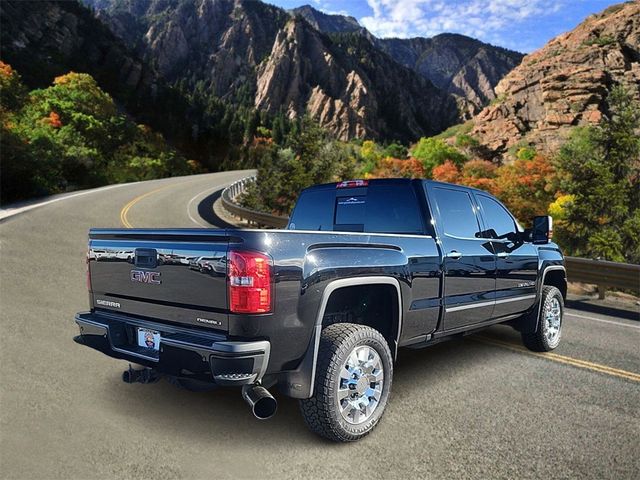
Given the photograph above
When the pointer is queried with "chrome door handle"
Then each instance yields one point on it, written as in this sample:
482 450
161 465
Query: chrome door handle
454 255
502 255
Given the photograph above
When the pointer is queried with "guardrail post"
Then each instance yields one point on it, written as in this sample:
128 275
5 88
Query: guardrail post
601 291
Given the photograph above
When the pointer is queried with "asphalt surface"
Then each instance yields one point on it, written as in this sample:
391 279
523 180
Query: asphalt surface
481 407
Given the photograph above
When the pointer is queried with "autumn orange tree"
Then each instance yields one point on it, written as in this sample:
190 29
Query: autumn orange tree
527 186
397 167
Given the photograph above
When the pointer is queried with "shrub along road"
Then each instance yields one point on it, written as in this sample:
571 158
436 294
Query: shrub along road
479 408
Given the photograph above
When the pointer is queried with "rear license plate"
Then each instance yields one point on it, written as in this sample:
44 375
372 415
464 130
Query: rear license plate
148 338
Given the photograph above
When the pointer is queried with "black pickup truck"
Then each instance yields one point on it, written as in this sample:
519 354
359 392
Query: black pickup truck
320 309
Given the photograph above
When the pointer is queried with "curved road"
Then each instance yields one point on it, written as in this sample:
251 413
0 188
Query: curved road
478 408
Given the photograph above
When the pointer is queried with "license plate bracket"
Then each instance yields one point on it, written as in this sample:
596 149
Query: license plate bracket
148 339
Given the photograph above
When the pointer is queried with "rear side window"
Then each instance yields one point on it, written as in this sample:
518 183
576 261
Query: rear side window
393 209
457 214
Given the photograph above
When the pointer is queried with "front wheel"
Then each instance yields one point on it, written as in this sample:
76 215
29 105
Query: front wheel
547 335
352 385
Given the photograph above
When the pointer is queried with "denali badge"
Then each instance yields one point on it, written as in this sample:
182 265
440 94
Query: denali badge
209 321
145 277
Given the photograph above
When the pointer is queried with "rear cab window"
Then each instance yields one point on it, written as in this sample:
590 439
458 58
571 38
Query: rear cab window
382 206
457 213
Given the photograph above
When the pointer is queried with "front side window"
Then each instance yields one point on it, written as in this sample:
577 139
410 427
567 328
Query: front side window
457 214
498 221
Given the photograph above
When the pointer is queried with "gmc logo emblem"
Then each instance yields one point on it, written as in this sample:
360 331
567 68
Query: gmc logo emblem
145 277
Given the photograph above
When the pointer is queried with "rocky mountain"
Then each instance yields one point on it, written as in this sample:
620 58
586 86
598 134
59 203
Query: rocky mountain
564 84
249 52
459 65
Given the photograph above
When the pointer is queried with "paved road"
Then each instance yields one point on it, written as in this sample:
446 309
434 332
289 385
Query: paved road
478 408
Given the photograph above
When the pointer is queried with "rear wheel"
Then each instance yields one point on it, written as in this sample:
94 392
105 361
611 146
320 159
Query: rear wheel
352 385
547 335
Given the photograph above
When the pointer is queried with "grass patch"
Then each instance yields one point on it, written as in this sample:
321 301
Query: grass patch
600 41
455 130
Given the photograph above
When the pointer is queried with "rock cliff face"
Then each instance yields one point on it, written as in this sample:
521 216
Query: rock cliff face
307 71
565 83
218 42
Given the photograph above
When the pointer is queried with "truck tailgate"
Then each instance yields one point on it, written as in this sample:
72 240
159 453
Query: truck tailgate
174 275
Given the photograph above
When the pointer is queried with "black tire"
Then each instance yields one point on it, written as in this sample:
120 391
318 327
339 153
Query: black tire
191 385
542 339
322 412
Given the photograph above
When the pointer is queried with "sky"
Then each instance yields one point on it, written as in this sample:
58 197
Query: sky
522 25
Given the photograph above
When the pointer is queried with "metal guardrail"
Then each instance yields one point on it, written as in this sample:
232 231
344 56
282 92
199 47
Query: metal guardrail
602 273
262 219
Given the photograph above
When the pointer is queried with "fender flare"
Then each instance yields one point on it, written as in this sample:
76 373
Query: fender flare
305 375
529 323
544 274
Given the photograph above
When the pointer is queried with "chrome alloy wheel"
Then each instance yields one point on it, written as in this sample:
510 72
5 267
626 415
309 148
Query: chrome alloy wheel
361 383
553 319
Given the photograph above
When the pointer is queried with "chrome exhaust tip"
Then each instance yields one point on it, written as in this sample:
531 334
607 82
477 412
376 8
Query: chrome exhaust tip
263 405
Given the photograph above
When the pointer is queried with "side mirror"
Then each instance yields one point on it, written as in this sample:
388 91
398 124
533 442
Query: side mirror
542 230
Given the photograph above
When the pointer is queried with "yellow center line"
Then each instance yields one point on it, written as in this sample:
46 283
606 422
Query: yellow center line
127 207
596 367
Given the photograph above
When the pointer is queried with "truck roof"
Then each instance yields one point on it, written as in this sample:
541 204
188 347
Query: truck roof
392 181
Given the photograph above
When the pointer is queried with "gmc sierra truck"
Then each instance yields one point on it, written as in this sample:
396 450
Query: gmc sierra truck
320 309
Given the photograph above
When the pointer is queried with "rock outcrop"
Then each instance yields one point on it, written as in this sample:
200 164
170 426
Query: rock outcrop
564 84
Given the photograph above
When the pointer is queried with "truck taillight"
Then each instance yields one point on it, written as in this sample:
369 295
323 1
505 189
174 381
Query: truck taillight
352 184
249 282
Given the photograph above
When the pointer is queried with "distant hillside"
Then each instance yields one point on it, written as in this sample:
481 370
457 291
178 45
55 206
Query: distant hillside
564 84
463 66
46 39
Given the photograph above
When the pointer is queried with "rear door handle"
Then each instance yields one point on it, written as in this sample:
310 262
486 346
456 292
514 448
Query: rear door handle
502 255
455 255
